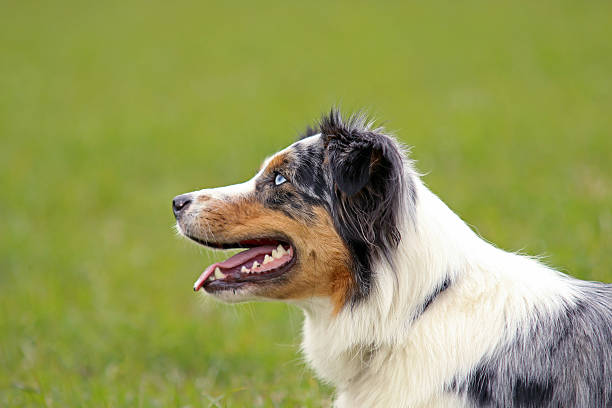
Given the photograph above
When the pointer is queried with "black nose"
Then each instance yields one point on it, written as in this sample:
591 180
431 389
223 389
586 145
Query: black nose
180 203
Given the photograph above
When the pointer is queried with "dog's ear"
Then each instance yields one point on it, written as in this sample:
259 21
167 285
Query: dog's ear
358 154
350 162
367 172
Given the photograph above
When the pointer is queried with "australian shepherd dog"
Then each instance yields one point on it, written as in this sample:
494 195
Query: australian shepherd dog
404 305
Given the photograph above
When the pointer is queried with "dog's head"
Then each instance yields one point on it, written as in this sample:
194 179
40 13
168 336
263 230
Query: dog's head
314 220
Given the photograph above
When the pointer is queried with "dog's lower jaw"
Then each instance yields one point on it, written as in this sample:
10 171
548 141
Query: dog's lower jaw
240 295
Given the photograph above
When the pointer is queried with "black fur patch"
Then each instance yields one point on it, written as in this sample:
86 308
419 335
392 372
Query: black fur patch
532 393
367 170
479 386
431 297
351 168
563 361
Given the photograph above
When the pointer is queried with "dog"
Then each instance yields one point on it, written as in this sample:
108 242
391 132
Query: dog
404 305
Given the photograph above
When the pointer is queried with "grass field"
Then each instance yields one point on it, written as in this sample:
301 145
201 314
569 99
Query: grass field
109 109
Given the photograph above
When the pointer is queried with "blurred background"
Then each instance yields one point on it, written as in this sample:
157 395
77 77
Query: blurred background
109 109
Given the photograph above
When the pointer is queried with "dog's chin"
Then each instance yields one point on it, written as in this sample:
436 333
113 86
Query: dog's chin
246 293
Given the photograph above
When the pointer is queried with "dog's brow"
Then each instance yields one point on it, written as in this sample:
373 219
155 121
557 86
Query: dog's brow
276 161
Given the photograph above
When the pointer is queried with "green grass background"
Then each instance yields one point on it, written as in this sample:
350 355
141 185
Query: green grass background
109 109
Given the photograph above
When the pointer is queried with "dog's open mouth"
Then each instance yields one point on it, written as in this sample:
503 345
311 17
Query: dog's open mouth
263 260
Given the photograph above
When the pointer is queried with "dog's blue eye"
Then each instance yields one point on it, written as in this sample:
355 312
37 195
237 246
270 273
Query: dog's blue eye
279 179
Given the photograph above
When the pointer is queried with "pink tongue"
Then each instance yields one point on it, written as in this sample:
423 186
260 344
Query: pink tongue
234 261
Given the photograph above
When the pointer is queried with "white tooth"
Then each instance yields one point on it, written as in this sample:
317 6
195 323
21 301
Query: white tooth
255 265
281 251
245 270
219 274
267 259
275 254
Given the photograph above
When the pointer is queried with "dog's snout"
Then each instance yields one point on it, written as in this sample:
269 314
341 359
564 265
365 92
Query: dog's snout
180 203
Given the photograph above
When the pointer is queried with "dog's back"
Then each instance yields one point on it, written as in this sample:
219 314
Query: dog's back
561 359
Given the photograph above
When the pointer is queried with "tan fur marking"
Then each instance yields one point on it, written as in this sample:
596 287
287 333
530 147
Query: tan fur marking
322 267
276 162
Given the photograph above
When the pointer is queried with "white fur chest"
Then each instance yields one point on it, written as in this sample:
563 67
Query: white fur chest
365 376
